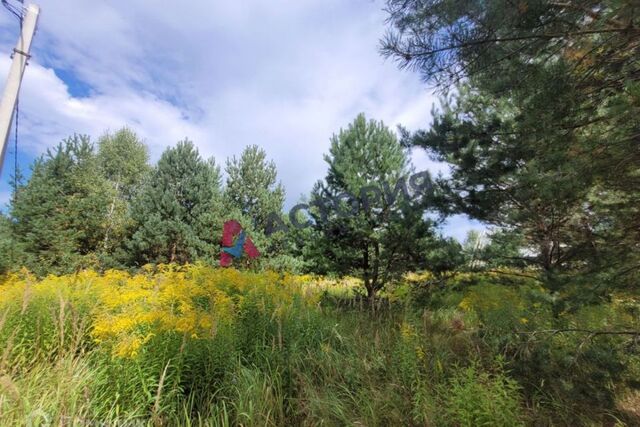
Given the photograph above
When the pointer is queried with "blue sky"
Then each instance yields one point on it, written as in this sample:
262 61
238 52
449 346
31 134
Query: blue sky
283 74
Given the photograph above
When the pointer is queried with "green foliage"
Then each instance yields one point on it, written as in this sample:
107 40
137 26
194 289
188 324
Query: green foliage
60 212
258 399
443 255
255 198
476 398
542 134
73 211
504 249
575 368
471 361
536 323
566 364
364 223
9 252
252 186
178 212
515 184
123 160
110 209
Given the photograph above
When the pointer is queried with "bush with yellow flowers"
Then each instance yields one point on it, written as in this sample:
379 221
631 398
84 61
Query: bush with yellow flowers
127 310
177 345
168 330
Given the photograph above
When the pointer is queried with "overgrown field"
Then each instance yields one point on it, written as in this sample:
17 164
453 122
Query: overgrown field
200 346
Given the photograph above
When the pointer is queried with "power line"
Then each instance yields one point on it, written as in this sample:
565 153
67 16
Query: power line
17 11
15 151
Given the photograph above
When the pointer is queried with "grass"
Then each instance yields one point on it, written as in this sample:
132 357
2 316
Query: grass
205 347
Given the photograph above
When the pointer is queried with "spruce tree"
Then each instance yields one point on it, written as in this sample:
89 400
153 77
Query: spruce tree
7 245
59 215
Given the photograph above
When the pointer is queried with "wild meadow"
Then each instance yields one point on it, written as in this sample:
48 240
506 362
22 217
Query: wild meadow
196 345
475 265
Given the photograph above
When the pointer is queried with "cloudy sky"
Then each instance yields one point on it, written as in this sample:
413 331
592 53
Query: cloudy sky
282 74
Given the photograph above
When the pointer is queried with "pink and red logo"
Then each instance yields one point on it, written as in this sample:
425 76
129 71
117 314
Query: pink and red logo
234 242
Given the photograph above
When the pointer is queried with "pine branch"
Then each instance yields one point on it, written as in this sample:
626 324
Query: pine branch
410 55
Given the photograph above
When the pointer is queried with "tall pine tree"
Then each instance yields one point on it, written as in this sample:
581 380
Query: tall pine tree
252 187
178 212
365 223
544 134
255 197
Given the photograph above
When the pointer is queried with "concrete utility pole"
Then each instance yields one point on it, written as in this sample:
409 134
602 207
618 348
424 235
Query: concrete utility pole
12 87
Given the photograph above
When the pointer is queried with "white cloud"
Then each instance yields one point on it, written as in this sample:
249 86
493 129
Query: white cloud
458 226
284 74
49 113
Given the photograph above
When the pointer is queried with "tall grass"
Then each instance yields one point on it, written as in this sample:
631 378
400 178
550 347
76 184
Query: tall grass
207 347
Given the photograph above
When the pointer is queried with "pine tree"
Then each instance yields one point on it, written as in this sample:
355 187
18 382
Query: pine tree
11 253
255 198
543 134
361 228
7 245
508 179
252 187
178 212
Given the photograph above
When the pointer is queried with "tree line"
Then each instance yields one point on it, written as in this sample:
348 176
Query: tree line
104 206
539 122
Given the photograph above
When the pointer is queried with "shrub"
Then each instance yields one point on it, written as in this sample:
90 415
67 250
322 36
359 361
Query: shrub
476 398
162 339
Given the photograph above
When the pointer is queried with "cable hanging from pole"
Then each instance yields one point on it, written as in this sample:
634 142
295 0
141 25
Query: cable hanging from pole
21 54
15 151
15 146
18 12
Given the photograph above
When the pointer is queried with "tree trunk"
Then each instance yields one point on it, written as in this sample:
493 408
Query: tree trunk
172 256
110 216
365 269
376 265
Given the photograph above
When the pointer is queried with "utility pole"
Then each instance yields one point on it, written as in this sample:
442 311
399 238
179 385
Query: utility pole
14 79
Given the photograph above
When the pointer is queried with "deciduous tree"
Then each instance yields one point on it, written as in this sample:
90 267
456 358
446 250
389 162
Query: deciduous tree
123 160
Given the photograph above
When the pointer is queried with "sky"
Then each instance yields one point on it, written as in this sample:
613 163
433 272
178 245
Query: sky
282 74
